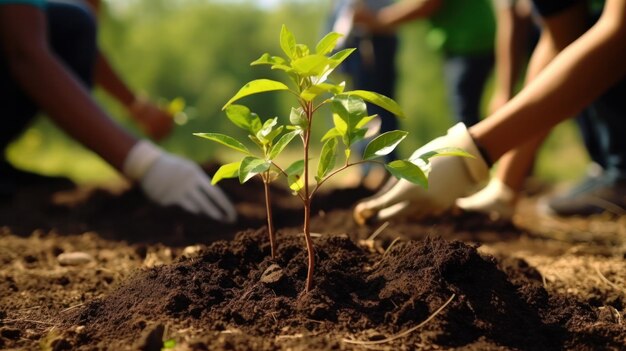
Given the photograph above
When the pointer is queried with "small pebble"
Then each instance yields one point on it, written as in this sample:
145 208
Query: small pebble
74 258
192 251
272 274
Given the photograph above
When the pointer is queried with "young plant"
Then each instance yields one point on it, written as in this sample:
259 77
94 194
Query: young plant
308 74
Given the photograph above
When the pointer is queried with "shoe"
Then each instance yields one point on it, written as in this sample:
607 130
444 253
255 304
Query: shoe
594 195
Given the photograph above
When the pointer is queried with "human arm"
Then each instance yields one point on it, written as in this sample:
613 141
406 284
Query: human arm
578 75
155 121
513 27
390 17
167 179
50 84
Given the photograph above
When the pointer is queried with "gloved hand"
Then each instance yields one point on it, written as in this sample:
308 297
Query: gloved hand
496 199
171 180
450 178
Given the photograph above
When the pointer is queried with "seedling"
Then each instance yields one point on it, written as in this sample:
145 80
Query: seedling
308 74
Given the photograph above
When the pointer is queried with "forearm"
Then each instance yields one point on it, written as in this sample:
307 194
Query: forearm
511 40
405 11
109 80
581 73
68 103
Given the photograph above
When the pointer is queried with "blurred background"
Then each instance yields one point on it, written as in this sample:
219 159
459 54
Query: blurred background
199 51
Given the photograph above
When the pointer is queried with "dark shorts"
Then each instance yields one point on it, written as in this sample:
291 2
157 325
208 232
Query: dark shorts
547 8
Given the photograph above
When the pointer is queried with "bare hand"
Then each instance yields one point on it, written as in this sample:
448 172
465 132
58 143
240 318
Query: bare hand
155 122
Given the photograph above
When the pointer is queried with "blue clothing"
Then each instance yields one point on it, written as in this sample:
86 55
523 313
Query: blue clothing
72 37
36 3
372 67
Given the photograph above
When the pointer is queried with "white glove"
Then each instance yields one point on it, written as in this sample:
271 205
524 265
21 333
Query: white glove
171 180
496 199
450 178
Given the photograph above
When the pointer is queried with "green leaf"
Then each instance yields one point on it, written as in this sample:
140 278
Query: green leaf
298 118
287 42
327 43
310 93
251 166
295 168
407 170
340 56
332 133
328 157
285 68
273 134
267 59
348 111
242 117
267 133
380 100
295 176
311 65
446 151
282 143
365 121
350 108
224 140
301 51
255 87
229 170
340 125
384 144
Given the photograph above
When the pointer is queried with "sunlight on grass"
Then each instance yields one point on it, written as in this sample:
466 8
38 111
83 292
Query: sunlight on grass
46 151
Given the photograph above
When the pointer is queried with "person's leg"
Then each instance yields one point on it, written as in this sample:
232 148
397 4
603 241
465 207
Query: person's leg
558 31
465 80
606 191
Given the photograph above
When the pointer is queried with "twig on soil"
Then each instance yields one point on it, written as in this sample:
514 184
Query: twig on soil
378 231
404 333
387 251
27 309
610 283
18 320
72 307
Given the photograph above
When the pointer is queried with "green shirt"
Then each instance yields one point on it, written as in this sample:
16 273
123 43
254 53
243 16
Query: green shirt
463 27
37 3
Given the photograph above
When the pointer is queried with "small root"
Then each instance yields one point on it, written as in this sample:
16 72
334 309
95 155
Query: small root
386 252
378 231
608 282
404 333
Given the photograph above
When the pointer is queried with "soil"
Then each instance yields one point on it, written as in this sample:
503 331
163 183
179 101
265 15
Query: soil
159 278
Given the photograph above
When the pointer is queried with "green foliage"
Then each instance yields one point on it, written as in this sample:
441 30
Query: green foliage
309 74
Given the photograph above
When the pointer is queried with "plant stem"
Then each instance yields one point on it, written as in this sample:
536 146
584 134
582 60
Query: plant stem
270 220
307 202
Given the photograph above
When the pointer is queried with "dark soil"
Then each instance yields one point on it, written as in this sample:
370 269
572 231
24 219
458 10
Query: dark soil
159 274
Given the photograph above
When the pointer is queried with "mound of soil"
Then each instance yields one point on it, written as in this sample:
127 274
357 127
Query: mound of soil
237 297
425 291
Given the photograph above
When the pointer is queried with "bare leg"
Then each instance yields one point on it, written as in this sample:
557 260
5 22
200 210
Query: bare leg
583 71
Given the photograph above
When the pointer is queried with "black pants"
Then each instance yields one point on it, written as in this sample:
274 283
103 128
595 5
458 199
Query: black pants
72 37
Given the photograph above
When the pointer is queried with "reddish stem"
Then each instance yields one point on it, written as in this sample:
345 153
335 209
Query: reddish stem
270 221
307 202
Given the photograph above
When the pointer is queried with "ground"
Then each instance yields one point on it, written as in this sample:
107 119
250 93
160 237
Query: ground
156 278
